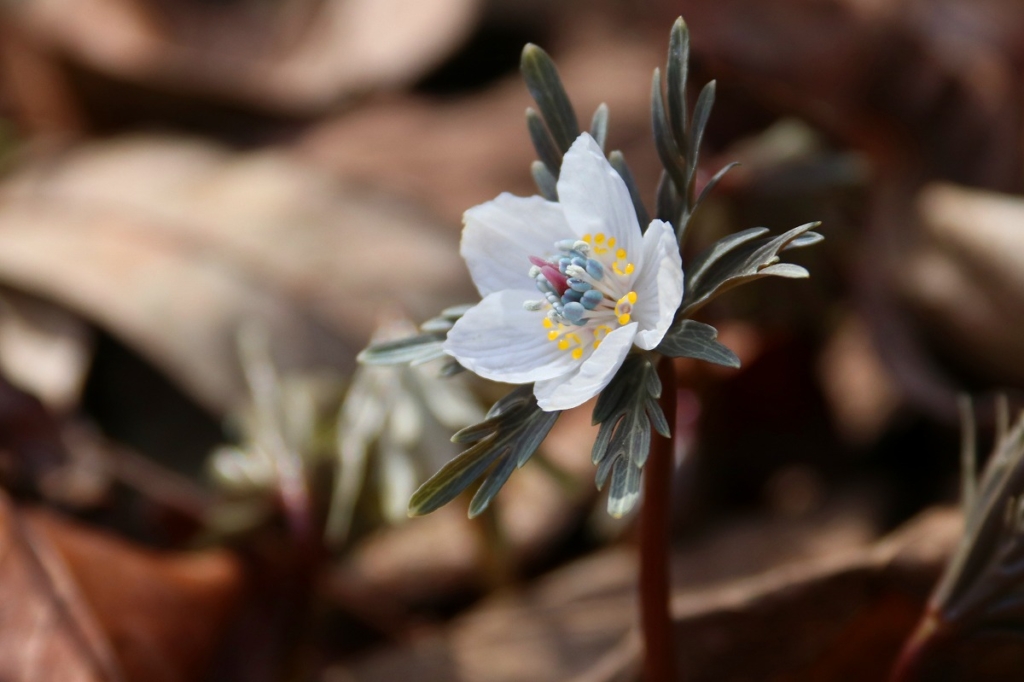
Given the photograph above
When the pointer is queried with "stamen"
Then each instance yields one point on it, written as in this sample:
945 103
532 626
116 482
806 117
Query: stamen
579 285
574 312
591 299
571 296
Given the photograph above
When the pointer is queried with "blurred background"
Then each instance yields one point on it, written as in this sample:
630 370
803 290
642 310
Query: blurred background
208 207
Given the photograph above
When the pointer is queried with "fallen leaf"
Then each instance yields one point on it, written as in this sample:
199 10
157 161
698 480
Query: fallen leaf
144 235
731 623
287 58
66 616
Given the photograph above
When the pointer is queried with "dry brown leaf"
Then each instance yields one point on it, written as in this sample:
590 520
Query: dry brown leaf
578 622
451 155
144 236
932 84
285 57
965 278
80 605
44 350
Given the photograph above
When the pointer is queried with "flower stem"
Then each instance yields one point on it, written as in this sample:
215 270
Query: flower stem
655 618
927 633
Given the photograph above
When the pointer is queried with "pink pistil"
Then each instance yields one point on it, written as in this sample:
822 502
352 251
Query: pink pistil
558 281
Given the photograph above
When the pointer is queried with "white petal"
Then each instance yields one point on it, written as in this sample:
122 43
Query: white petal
563 392
658 285
501 341
500 236
594 197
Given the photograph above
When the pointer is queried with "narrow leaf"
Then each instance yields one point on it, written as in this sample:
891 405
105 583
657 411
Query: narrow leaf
453 478
618 162
599 125
806 239
546 149
675 75
667 202
546 183
692 339
713 182
533 434
701 114
738 264
705 260
625 488
491 485
668 151
546 89
657 417
420 348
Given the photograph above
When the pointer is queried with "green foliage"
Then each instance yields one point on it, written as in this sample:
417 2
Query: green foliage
740 258
626 411
418 349
692 339
504 441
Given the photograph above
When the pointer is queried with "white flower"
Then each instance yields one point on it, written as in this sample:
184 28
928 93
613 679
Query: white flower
604 285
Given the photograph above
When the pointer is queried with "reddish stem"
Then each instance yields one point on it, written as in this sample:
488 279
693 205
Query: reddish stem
655 617
927 633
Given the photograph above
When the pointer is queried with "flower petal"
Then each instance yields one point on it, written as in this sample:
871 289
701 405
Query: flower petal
658 285
501 341
594 197
563 392
500 236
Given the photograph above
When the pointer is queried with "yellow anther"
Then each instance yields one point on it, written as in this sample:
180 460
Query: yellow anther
552 335
624 319
577 354
629 268
548 323
620 254
611 242
631 297
563 344
599 237
587 238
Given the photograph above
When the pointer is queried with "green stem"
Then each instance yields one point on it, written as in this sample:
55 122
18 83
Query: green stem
655 616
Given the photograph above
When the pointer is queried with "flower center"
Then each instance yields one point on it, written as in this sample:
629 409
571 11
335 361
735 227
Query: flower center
586 289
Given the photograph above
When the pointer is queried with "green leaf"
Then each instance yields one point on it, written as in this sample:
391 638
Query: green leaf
701 114
421 348
737 259
713 182
618 162
547 150
699 266
415 349
668 202
624 492
599 125
513 430
546 89
668 151
675 74
545 181
692 339
624 411
687 213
